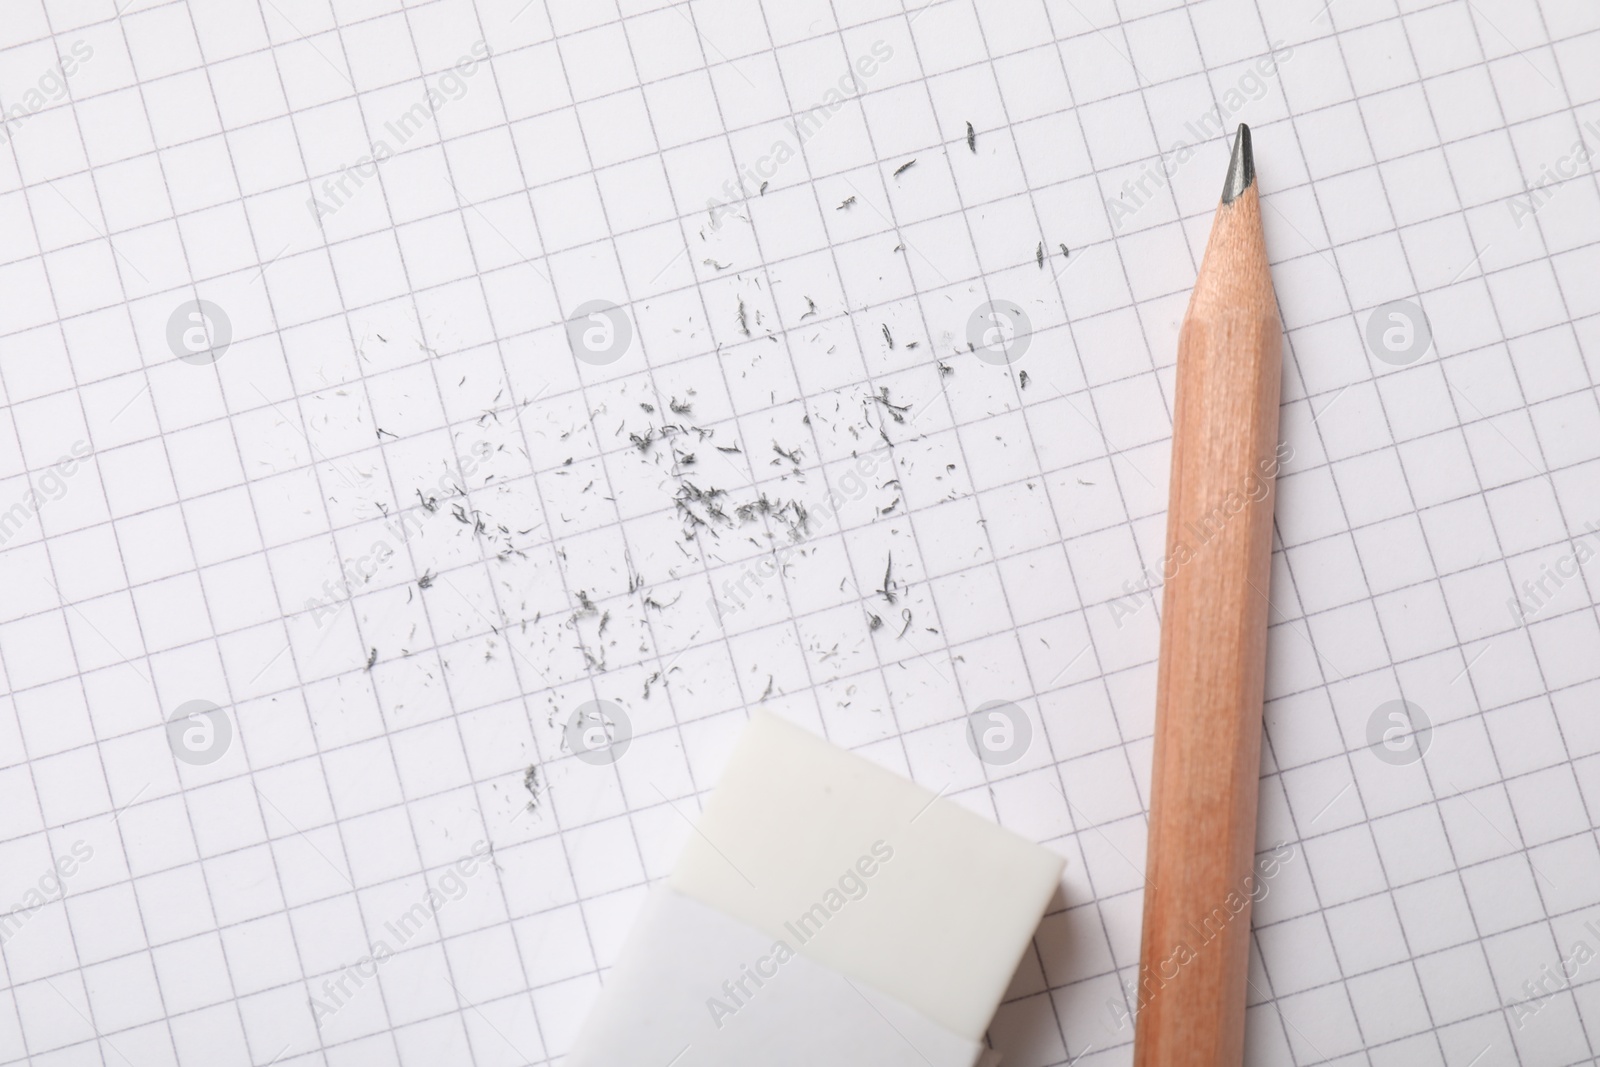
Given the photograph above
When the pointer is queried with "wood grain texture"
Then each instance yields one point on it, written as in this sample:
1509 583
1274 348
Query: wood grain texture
1200 876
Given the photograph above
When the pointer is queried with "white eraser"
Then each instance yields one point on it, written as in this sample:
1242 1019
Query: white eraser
826 911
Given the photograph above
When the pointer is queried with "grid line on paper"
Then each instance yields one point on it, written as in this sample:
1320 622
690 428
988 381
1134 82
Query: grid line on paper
1054 910
1286 621
512 52
437 144
1098 899
1431 1020
1279 192
1505 994
685 218
1333 393
1489 706
445 141
259 798
765 267
325 460
1098 424
89 1017
1508 994
1289 567
448 976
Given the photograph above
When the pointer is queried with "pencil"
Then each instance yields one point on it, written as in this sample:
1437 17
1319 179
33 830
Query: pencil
1200 874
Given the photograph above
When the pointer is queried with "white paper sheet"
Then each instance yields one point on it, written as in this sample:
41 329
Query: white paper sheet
306 439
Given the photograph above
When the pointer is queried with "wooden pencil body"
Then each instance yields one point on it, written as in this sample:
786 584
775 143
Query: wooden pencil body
1200 876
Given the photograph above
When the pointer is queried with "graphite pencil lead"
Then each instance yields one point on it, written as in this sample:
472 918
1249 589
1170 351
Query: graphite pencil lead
1241 169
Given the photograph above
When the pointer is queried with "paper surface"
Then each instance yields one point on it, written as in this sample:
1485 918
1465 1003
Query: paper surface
674 360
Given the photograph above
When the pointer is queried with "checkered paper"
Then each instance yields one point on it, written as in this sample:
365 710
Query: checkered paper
430 427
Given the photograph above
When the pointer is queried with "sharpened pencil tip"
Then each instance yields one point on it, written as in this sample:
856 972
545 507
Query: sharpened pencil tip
1241 169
